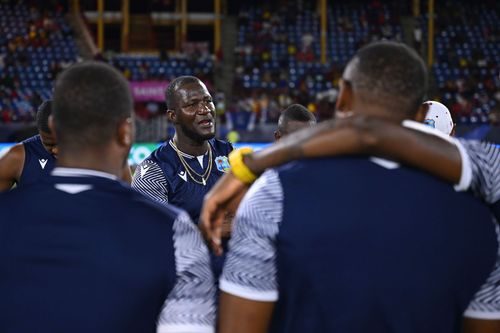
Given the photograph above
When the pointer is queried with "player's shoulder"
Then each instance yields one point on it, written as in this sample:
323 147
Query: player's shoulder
16 151
35 139
14 157
220 146
163 155
161 163
135 204
19 196
152 208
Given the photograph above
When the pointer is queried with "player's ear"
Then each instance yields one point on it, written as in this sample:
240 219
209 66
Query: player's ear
171 116
277 135
345 98
52 127
126 132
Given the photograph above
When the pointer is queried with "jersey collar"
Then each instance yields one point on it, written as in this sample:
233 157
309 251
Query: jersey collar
75 172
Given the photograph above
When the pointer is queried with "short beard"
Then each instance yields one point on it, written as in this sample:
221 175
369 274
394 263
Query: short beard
195 136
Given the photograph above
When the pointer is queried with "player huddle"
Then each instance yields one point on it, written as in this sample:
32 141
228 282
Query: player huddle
328 239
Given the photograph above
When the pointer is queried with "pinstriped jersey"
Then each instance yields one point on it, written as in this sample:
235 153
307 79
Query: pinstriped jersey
484 160
38 162
163 177
377 249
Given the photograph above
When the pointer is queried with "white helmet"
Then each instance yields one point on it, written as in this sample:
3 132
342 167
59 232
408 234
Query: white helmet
439 117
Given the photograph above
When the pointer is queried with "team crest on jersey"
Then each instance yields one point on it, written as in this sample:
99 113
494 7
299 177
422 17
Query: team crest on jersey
222 163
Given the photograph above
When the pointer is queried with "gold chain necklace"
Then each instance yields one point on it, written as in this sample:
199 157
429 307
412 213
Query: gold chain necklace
190 171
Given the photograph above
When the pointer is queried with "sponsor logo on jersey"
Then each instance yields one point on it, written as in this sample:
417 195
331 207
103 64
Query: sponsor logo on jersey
222 163
43 162
144 169
183 175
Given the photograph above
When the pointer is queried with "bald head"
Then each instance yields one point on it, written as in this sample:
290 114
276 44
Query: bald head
388 75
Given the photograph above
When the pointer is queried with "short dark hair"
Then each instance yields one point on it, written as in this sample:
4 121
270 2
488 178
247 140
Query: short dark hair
172 88
90 99
389 74
42 116
295 112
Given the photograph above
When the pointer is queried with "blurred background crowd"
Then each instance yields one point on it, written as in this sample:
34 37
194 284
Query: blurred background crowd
256 57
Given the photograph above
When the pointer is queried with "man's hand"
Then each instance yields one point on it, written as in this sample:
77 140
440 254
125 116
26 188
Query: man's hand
221 202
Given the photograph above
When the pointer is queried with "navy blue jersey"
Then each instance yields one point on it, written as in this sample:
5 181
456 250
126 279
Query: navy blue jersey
38 162
347 245
163 177
92 255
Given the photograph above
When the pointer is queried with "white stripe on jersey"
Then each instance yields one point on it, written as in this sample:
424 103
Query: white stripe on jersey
250 269
150 180
190 306
485 163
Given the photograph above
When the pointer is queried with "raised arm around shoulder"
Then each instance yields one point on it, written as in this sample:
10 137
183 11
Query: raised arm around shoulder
364 135
243 315
415 145
11 167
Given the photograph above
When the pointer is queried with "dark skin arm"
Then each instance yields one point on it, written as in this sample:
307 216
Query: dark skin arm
11 167
472 325
364 135
347 136
241 315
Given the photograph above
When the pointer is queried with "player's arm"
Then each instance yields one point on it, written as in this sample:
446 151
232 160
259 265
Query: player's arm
247 300
485 168
11 166
190 306
365 135
243 315
472 325
347 136
150 180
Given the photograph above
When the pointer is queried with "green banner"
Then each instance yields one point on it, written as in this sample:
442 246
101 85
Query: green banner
140 151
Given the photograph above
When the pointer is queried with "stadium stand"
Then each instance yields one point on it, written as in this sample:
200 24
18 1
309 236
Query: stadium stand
149 67
277 58
467 57
278 53
35 45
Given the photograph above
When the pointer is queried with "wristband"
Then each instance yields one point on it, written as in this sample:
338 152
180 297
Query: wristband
239 168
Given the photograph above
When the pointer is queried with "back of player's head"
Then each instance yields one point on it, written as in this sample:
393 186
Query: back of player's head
293 118
295 112
176 84
42 116
389 75
90 100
